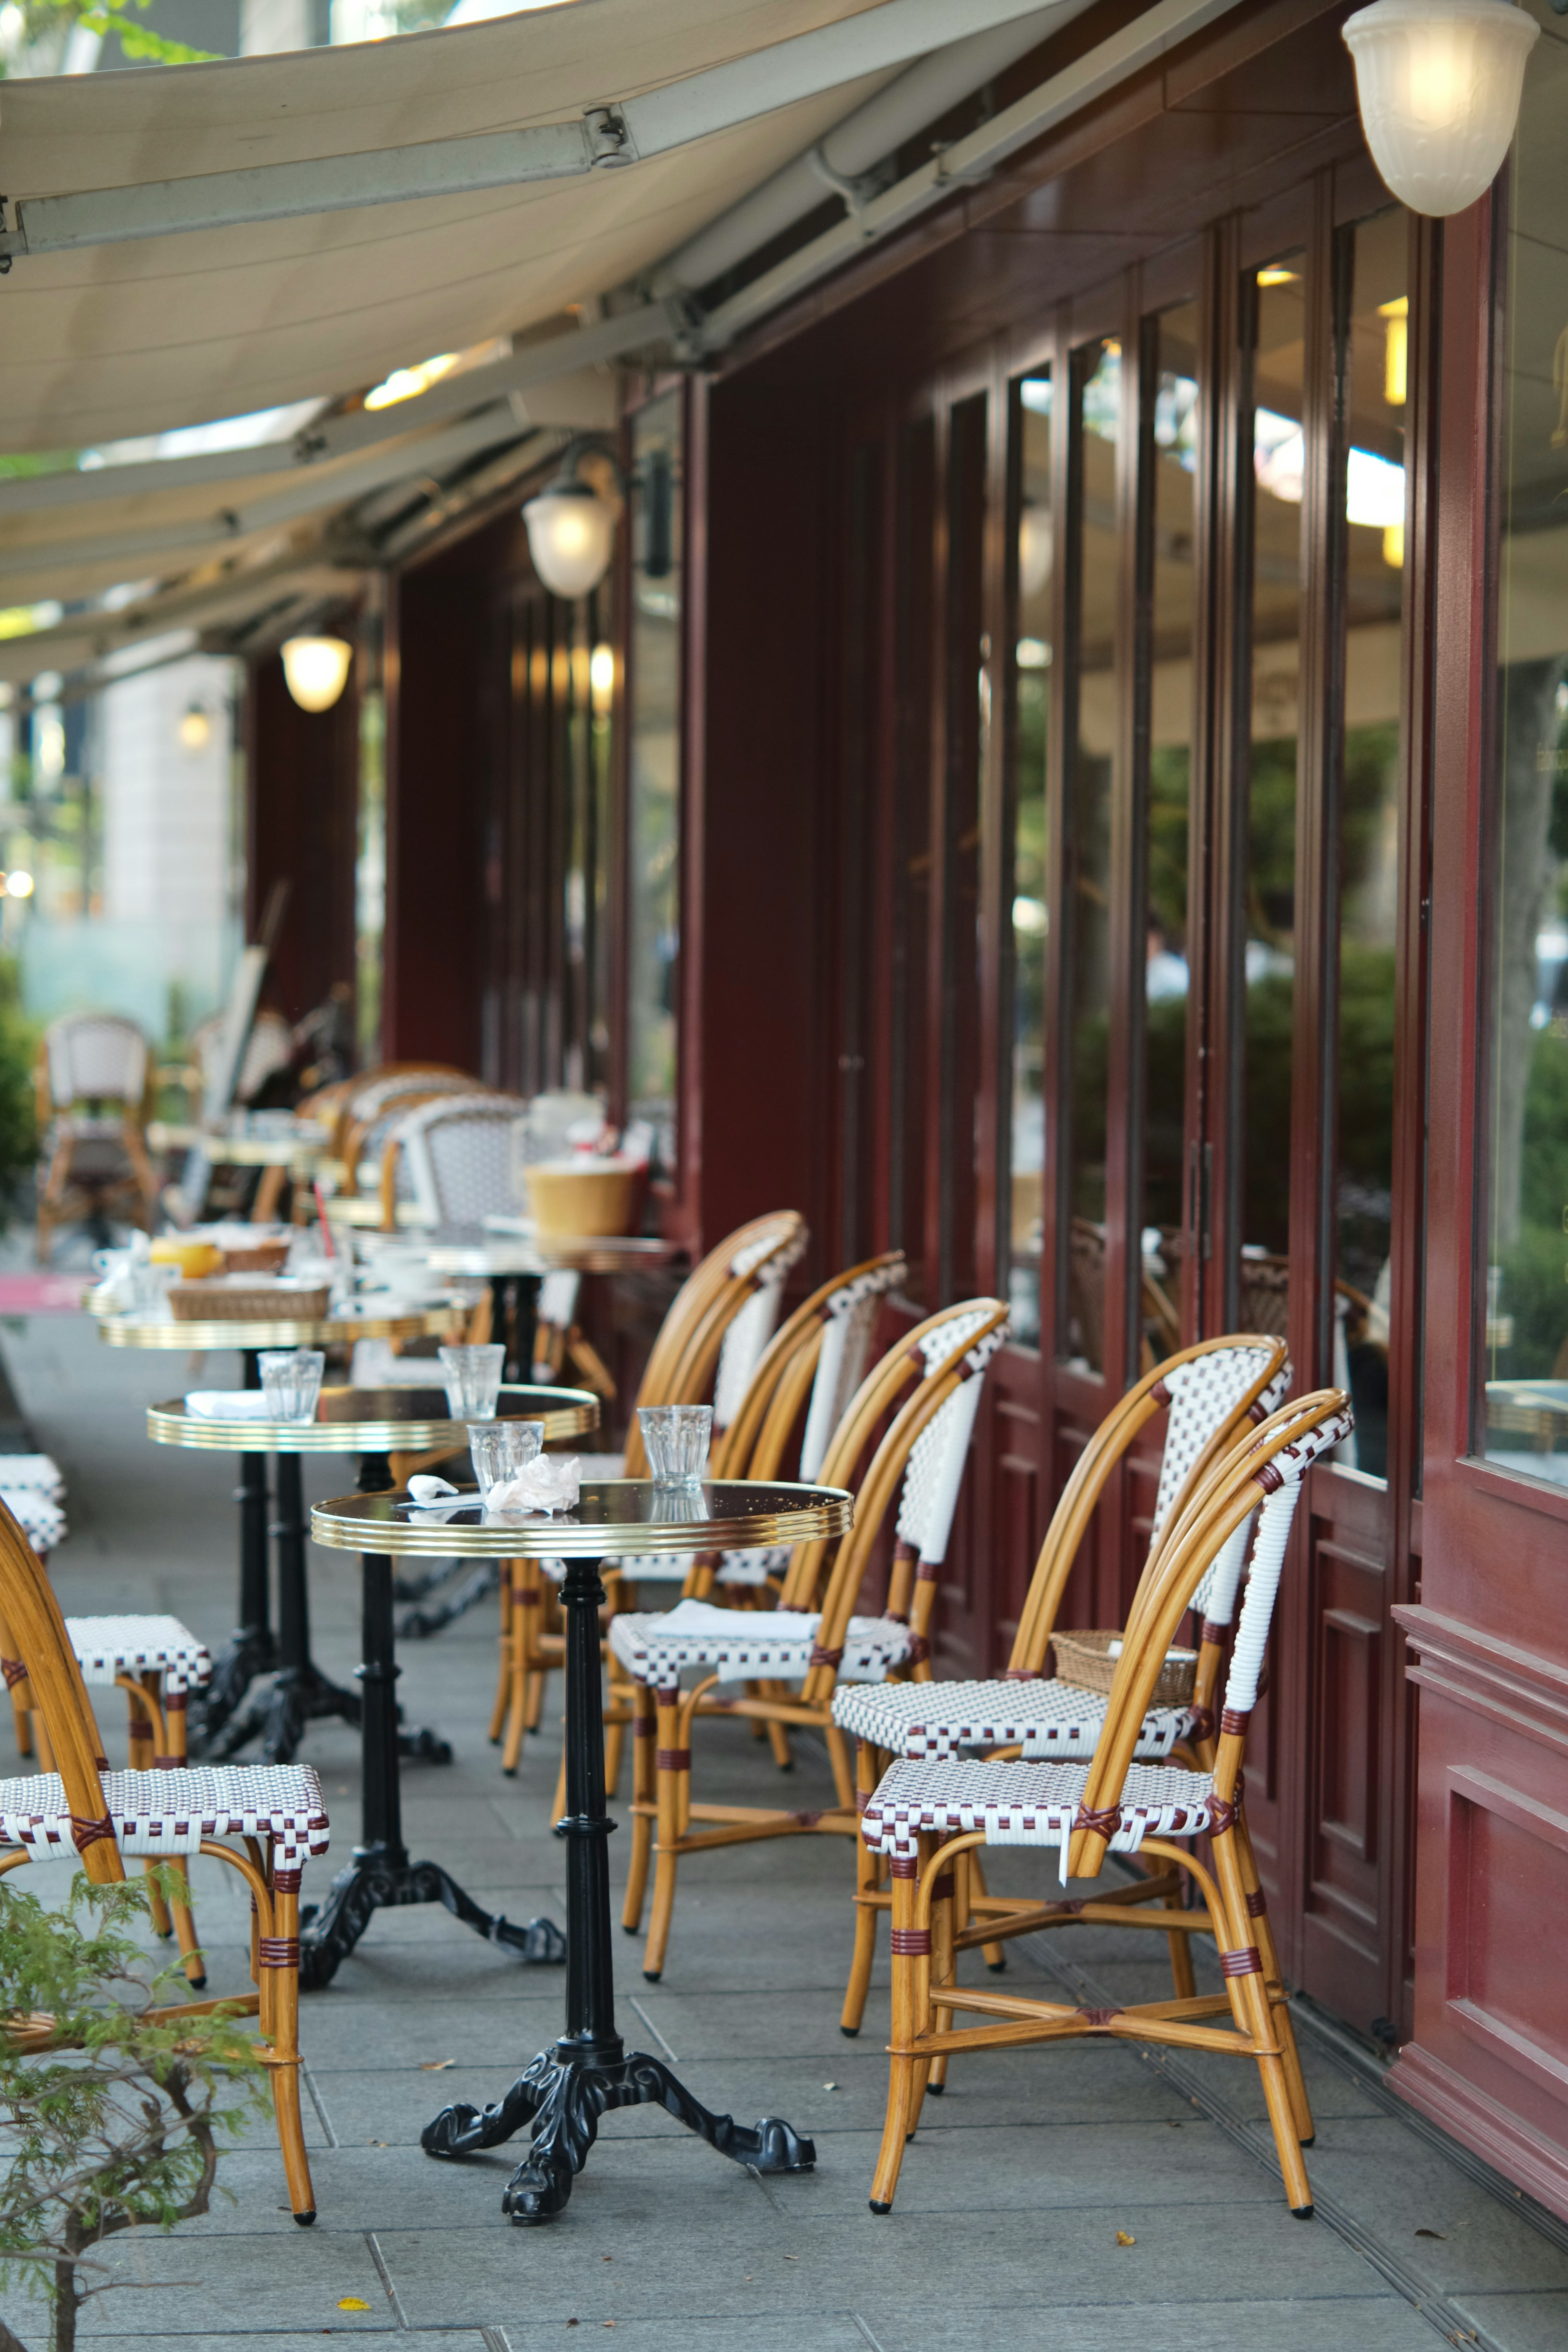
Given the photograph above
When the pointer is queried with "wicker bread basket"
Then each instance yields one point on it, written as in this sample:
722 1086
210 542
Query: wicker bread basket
1085 1660
248 1298
586 1197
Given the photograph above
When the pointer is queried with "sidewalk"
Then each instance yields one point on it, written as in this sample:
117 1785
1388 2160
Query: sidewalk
1004 2236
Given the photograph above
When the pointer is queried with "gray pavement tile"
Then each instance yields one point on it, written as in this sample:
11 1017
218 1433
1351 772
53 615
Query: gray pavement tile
1331 2324
234 2282
1521 2323
1443 2223
411 2026
817 2331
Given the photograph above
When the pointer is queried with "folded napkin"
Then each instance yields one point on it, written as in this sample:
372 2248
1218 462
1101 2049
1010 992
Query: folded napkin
431 1490
228 1404
551 1482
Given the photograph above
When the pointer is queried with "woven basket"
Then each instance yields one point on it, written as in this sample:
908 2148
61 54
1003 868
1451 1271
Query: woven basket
257 1257
1084 1659
586 1201
248 1298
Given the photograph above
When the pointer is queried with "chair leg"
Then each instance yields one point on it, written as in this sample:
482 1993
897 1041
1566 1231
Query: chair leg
142 1745
176 1750
1273 1984
943 1902
868 1768
644 1792
280 1960
21 1695
996 1955
838 1757
504 1660
672 1769
1255 2014
907 2022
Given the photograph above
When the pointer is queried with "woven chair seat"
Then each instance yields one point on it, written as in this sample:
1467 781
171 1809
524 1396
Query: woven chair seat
41 1520
108 1646
1048 1719
1029 1804
32 1474
742 1644
735 1567
168 1812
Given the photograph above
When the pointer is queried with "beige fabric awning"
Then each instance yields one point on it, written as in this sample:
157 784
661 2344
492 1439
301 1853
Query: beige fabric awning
118 340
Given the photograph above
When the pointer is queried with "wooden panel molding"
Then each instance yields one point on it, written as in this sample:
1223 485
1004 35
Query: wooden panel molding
1512 1687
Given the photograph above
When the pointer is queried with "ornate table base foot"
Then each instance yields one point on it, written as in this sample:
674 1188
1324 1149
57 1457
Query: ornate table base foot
376 1880
247 1653
420 1623
277 1717
565 2093
428 1580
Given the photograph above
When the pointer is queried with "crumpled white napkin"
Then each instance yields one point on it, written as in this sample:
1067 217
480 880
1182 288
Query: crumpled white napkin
551 1482
228 1405
427 1491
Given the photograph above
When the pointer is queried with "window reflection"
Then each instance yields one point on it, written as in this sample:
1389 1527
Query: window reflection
653 718
1092 602
1031 699
1170 456
1525 1337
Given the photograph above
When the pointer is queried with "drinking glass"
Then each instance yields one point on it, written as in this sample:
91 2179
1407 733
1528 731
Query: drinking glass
501 1448
292 1381
473 1381
676 1439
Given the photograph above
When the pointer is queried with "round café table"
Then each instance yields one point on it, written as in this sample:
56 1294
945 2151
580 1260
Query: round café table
251 1650
372 1424
569 2086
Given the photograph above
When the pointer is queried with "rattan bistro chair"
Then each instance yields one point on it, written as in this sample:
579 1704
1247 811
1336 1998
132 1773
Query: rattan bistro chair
717 1327
91 1081
1210 1393
82 1808
928 1818
806 1640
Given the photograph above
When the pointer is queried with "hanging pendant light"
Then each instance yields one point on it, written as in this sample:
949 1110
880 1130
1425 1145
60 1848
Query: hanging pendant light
316 670
570 536
1440 83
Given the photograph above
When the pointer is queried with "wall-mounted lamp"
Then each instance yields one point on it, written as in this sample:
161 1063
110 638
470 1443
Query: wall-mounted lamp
571 528
1439 84
19 884
194 729
316 670
1036 547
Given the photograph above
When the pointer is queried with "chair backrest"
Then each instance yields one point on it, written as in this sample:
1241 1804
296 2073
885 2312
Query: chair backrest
348 1092
1261 1476
749 1264
923 1454
269 1049
38 1629
823 1347
1210 1391
461 1150
95 1057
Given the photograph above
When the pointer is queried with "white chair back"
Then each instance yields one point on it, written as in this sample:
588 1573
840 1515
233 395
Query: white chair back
850 1324
935 1470
460 1155
95 1057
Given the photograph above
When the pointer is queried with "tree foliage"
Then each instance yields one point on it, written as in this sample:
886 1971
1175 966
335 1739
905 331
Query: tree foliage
43 20
113 2119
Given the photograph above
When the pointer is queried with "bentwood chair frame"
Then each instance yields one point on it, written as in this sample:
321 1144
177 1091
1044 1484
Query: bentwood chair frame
742 1278
95 1833
912 1813
1071 1522
92 1058
664 1715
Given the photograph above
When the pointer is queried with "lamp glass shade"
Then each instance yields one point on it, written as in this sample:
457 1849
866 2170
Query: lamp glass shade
1439 84
571 534
1036 548
316 669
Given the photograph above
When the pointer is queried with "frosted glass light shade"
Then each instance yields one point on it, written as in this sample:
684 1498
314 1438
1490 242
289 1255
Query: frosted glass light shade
1439 84
315 670
1036 548
570 533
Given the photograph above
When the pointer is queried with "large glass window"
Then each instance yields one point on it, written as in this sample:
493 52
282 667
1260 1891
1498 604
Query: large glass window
968 720
653 723
1526 1304
1030 687
1372 357
1170 459
1091 608
1274 323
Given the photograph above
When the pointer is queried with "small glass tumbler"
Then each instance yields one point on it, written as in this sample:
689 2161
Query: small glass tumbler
292 1381
501 1449
676 1439
473 1381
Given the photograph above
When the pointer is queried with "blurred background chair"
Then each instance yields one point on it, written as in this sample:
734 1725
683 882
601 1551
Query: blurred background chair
91 1081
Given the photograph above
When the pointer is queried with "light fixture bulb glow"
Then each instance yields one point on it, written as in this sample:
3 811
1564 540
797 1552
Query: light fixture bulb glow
601 672
315 670
1439 84
570 536
20 883
196 728
1036 546
1395 316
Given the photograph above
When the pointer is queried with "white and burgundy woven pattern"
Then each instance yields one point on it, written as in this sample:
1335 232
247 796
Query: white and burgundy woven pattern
1202 1392
33 1474
849 1320
166 1812
1028 1804
935 1470
461 1153
918 1720
95 1057
41 1521
738 1645
107 1646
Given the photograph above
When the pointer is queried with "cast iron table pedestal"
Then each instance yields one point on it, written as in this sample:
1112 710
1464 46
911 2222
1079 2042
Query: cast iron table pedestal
570 2085
381 1875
